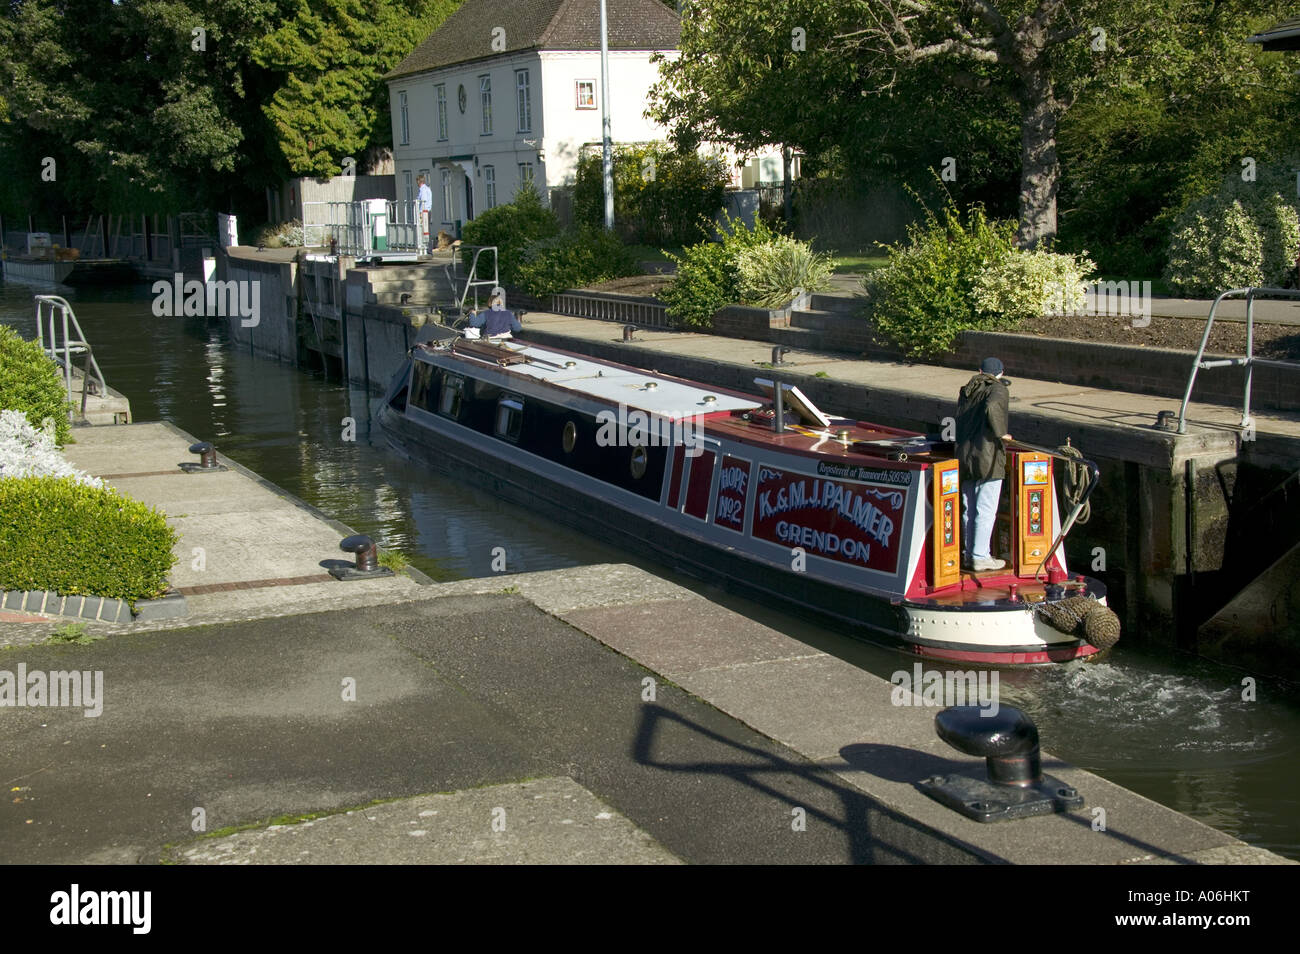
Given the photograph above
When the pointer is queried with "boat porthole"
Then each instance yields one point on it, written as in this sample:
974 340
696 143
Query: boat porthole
639 461
570 439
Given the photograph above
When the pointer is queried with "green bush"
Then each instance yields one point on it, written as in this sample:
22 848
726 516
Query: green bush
662 196
57 534
771 275
1025 285
31 383
1245 234
511 228
707 274
925 296
574 260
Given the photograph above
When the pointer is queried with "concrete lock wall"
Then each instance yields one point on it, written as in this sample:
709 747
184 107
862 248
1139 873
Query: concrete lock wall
275 333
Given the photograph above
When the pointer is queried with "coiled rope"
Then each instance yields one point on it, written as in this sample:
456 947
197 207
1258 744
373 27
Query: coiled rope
1074 481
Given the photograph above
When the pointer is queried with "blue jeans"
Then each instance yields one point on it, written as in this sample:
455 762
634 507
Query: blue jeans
981 496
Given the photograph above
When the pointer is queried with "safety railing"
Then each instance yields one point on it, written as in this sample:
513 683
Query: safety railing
351 226
1248 362
471 279
60 336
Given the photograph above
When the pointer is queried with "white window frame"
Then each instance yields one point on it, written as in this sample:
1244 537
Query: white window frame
527 174
577 93
524 101
485 98
406 118
442 111
446 196
490 186
409 183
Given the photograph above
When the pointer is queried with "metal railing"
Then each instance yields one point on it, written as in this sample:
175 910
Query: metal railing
350 225
60 336
1248 362
471 279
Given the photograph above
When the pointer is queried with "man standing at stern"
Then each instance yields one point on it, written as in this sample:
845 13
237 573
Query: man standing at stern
981 429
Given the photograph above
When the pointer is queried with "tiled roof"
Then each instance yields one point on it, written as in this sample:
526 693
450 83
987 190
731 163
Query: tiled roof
467 34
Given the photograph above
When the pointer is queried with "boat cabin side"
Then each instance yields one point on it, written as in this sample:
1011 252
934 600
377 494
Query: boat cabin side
870 507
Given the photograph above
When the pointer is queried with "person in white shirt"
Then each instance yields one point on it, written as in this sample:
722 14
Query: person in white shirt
426 208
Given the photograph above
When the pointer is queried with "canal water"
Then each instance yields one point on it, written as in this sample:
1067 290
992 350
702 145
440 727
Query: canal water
1175 729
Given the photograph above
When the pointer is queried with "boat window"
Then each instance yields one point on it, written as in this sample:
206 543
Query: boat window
640 459
421 378
449 403
510 418
570 440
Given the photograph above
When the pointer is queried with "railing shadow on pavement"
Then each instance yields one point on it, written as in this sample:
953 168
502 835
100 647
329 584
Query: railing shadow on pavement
861 813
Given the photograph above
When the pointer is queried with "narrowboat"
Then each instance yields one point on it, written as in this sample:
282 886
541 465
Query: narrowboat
855 522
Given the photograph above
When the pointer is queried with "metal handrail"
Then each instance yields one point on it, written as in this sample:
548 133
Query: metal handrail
470 280
70 346
1248 362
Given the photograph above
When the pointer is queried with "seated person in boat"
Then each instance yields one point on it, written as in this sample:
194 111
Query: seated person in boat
496 322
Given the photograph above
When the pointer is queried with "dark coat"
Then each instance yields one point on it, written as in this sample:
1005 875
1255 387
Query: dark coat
981 422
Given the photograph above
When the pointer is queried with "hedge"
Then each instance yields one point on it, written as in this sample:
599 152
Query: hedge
30 382
73 539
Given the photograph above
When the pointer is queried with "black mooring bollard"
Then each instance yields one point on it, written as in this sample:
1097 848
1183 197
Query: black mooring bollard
207 455
367 553
1008 741
778 354
1013 784
628 332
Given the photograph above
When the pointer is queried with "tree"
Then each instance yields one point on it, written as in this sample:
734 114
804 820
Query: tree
902 59
330 57
1049 52
136 106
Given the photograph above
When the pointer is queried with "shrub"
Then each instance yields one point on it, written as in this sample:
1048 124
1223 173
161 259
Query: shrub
26 451
925 296
30 382
511 228
772 274
662 196
574 260
1245 234
289 234
707 275
1026 285
57 534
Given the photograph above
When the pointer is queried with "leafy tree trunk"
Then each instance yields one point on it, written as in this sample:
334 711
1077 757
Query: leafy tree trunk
1040 169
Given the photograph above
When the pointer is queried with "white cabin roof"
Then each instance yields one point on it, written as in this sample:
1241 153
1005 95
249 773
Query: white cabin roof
633 388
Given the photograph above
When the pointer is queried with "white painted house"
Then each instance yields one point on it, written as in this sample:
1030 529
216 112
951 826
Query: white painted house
507 91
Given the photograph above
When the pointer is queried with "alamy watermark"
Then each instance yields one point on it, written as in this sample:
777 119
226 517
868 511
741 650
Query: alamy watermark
58 689
632 427
1129 299
175 297
76 906
945 689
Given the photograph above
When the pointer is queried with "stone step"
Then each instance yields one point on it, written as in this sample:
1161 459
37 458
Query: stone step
837 304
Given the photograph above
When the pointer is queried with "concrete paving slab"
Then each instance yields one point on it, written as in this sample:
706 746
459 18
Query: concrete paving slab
196 494
550 821
562 591
135 448
259 545
676 637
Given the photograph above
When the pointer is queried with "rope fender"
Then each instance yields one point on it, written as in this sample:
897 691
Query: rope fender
1083 616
